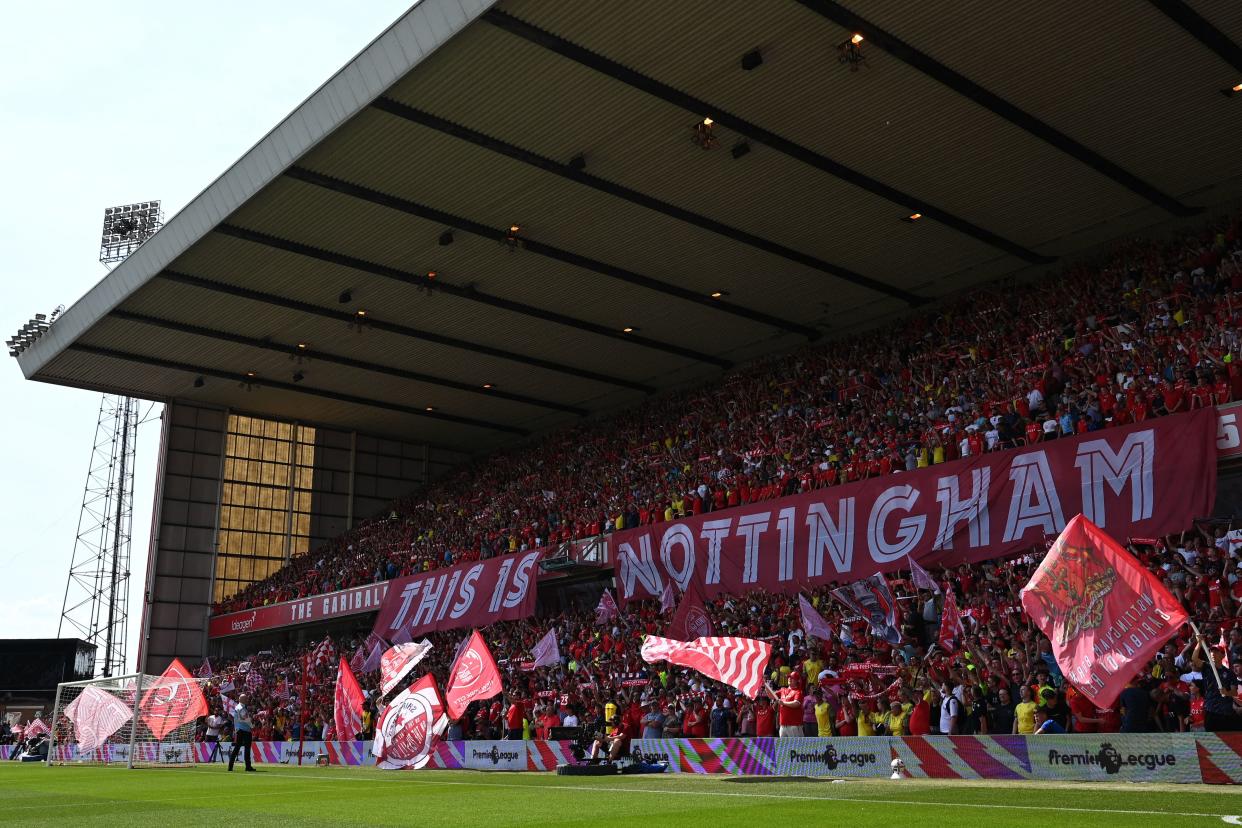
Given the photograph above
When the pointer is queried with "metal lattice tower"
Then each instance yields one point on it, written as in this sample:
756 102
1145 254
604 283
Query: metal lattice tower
96 606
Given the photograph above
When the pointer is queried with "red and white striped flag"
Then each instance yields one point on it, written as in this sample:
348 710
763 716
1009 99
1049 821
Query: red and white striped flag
204 670
324 653
283 693
35 728
96 715
359 659
254 681
737 662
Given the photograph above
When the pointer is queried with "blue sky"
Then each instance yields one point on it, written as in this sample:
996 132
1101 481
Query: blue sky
106 104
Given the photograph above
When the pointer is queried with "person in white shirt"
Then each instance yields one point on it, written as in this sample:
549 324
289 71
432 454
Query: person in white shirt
214 723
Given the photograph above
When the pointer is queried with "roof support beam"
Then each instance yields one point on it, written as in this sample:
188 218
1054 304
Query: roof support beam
297 388
1203 31
754 132
538 248
426 119
401 330
309 353
439 285
995 104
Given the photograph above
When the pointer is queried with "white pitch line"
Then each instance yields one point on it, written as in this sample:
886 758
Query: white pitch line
94 803
736 794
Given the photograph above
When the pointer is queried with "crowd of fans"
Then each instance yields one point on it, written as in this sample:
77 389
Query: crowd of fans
1152 329
1000 678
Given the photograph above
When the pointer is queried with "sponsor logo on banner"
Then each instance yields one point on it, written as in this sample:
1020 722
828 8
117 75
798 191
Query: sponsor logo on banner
1138 480
353 601
1103 756
651 756
495 755
829 758
242 625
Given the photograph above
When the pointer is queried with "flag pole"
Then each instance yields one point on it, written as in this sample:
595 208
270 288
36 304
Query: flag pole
302 712
1207 654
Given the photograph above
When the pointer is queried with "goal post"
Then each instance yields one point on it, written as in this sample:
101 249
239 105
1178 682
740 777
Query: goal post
134 720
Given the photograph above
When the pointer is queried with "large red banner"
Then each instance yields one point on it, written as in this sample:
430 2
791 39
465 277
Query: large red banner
466 595
1145 479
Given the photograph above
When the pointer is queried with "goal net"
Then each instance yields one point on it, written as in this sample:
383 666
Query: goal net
135 720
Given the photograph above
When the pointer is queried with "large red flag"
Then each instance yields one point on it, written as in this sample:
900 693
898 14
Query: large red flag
473 676
173 699
410 726
398 661
951 630
1106 614
737 662
690 621
347 710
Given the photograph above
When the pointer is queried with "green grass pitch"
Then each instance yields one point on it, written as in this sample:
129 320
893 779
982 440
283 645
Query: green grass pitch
288 796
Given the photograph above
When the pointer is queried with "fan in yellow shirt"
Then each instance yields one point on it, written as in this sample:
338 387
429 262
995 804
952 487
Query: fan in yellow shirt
823 718
1024 713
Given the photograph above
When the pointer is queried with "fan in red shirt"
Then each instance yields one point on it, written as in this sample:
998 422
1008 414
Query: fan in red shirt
513 720
765 718
789 702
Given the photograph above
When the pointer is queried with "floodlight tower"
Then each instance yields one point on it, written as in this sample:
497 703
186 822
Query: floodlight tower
96 605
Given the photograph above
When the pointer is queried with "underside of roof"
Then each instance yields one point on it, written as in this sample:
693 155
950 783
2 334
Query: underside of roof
357 268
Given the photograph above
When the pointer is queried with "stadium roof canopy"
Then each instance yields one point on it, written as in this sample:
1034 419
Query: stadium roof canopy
1021 133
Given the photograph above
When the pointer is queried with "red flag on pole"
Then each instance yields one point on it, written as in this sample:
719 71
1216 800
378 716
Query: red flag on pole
690 621
1105 613
398 661
951 630
473 676
359 659
410 727
737 662
347 710
173 699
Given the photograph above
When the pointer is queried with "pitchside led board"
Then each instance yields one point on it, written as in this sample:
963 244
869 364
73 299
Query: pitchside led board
1141 480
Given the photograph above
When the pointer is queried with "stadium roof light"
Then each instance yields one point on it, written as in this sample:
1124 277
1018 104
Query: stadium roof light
703 134
126 228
